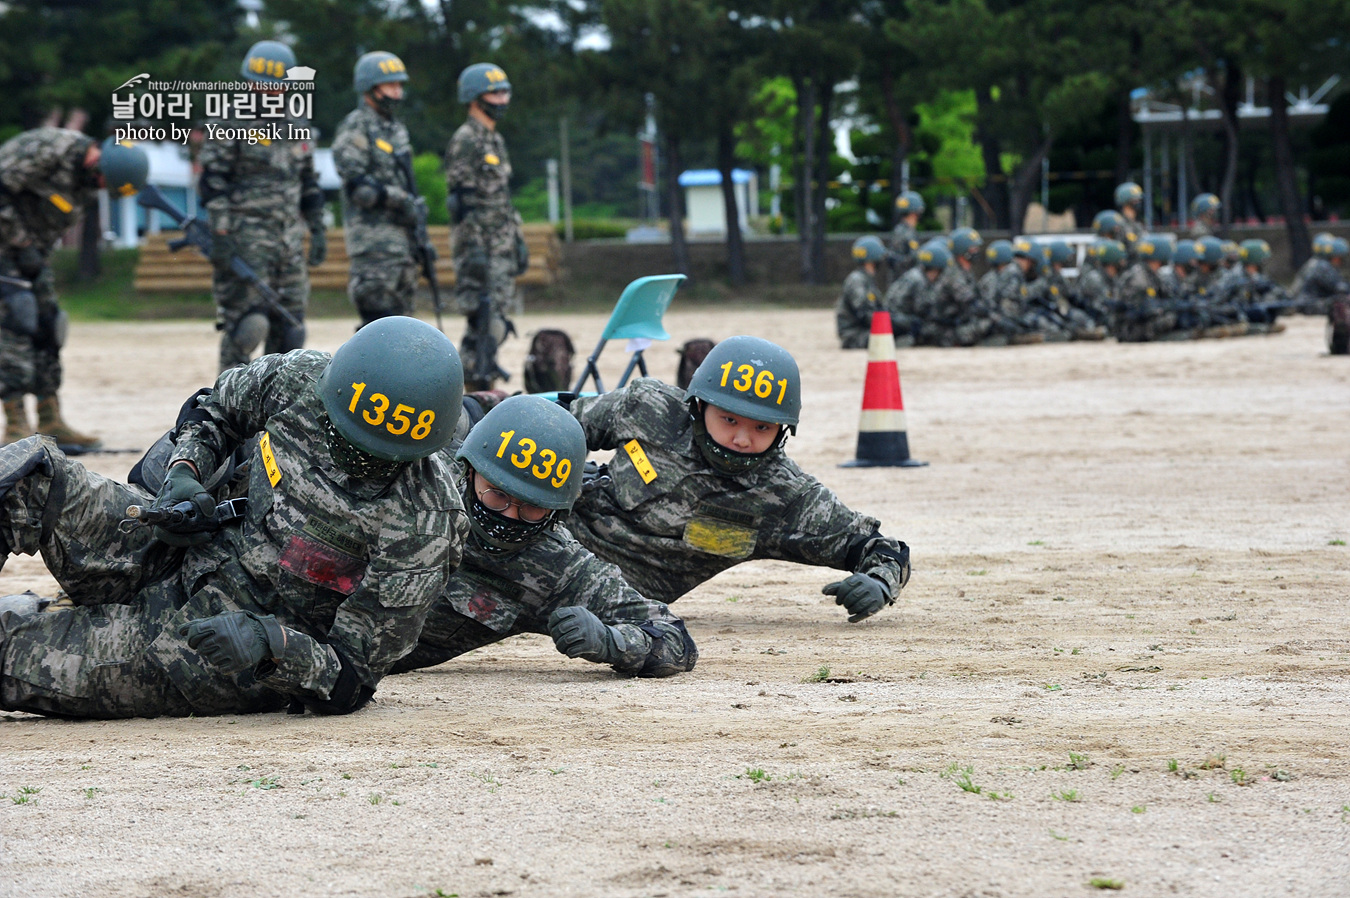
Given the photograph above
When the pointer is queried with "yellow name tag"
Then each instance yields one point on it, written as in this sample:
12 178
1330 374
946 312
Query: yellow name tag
719 537
384 145
1152 292
127 190
269 460
491 159
61 203
640 462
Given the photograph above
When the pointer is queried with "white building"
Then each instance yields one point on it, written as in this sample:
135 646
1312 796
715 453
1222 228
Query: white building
703 200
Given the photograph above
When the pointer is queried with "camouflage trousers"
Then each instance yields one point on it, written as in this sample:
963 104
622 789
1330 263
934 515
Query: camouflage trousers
448 634
279 259
117 653
480 274
32 364
1145 329
966 332
382 284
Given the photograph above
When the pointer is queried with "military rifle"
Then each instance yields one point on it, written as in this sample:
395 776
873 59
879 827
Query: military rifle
423 251
198 233
183 517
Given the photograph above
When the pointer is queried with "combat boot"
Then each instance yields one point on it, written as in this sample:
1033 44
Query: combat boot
16 421
68 438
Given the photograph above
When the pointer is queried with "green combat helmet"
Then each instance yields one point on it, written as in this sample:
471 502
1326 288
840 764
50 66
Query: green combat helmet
934 254
267 62
1108 252
124 166
965 242
394 391
377 67
1210 250
1154 248
1057 252
999 253
1024 248
1323 244
481 78
1255 252
1186 253
909 201
1206 204
868 249
1108 224
1340 248
530 448
752 378
1129 194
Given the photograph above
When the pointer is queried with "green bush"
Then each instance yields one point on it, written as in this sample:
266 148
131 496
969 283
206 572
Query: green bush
596 228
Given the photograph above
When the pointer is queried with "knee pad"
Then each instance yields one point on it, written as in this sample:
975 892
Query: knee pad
20 313
249 333
52 326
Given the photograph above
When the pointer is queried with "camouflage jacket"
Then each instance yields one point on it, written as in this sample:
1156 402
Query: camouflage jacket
350 567
1012 290
954 295
1200 228
44 186
904 253
1130 232
1096 289
910 294
987 287
259 180
853 311
515 592
476 164
1140 288
1318 279
366 151
681 522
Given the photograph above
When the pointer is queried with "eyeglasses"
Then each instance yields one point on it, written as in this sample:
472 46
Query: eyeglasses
494 499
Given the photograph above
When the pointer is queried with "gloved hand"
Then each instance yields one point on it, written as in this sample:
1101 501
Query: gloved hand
860 594
30 261
223 248
318 247
580 634
401 204
236 640
182 485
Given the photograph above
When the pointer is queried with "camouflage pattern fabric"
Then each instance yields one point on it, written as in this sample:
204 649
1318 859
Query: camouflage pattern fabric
987 287
904 254
266 195
494 596
1130 233
1096 292
853 311
1200 228
484 243
1143 314
685 522
1068 315
906 299
1315 285
383 274
44 187
349 567
955 318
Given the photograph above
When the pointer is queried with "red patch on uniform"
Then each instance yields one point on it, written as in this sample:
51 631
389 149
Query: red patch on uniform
316 563
482 606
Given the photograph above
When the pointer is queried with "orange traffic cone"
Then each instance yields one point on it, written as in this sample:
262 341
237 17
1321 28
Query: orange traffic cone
882 442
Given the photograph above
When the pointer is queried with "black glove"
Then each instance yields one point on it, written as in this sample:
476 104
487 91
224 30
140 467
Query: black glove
236 640
580 634
20 310
222 250
861 595
318 247
30 261
182 485
522 254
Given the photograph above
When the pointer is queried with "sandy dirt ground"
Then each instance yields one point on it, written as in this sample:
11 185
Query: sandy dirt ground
1123 661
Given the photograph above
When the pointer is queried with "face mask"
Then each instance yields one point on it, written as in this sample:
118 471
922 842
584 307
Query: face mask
495 533
494 111
387 106
724 460
355 463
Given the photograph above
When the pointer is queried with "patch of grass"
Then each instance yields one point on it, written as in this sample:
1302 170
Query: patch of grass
554 771
1036 542
1281 776
26 795
1057 837
1214 762
1076 652
1066 795
1117 770
486 779
1213 798
1138 809
1240 777
820 676
999 796
979 573
1051 687
346 776
1078 761
862 814
1101 882
757 775
1336 542
266 783
1173 766
442 893
92 791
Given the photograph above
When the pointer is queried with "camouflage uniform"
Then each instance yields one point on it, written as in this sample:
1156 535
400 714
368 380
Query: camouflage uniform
266 195
987 287
1096 292
44 186
906 299
348 566
904 253
1200 228
484 243
496 595
383 274
1315 285
1130 234
955 318
1142 314
690 522
853 311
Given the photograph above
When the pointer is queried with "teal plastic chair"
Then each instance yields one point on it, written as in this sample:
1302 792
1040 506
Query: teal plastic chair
636 316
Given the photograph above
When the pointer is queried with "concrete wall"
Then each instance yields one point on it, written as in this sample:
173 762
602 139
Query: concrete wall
771 262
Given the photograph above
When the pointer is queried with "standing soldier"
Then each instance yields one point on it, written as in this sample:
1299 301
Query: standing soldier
261 195
860 296
904 237
1204 214
488 248
47 177
379 205
1130 202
